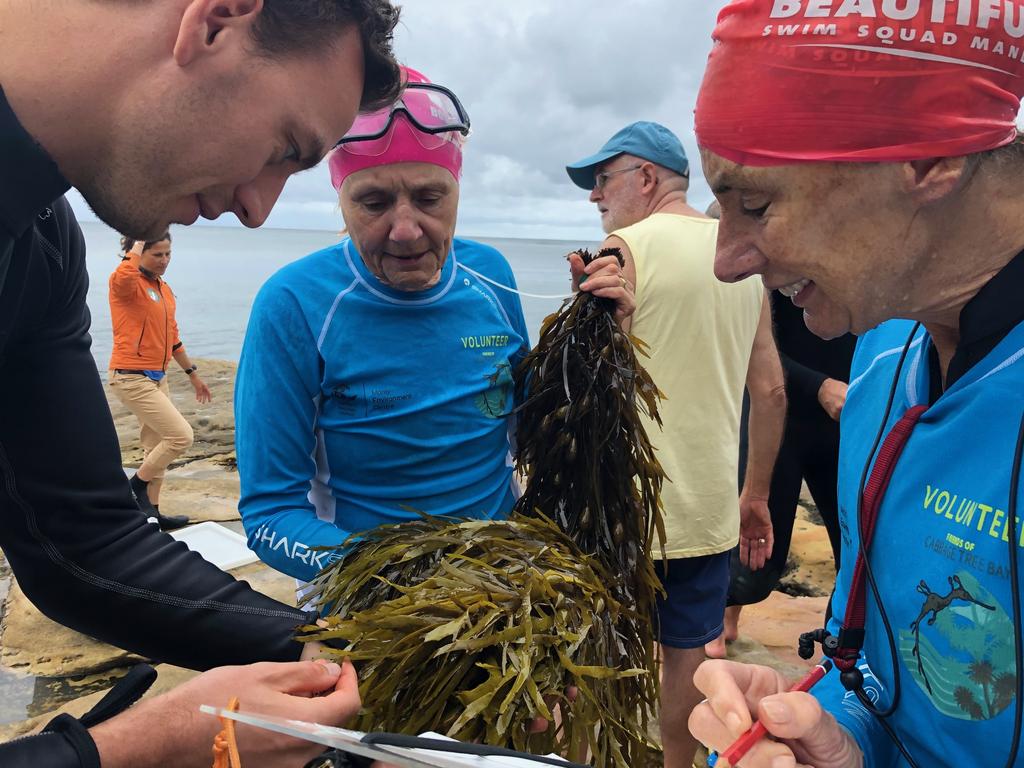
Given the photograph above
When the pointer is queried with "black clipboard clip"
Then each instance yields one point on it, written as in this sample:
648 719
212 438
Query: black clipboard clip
405 741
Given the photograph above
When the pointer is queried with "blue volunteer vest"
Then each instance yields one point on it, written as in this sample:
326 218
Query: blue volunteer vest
940 552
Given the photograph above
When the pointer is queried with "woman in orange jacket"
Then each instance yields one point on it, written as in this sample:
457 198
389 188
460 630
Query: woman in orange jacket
142 312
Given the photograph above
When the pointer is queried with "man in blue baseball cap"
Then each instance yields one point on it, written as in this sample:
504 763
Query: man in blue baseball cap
642 139
707 341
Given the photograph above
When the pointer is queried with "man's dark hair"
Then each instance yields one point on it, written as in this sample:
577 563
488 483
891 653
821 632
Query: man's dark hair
295 26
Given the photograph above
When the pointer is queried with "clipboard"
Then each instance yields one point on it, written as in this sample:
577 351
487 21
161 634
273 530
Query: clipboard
404 757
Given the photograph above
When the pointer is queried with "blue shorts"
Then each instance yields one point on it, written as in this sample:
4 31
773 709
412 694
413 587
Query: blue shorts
692 612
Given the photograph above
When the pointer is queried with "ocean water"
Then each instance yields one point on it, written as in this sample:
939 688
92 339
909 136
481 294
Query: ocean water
215 273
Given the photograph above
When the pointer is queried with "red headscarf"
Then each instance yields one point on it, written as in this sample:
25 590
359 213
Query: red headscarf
861 80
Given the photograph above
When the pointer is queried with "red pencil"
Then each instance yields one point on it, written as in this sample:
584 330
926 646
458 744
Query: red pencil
756 732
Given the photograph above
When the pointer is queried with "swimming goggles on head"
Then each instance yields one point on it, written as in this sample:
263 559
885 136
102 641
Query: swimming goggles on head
432 109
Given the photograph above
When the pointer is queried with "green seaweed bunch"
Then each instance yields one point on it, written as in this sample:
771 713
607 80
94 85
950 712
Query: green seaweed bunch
583 448
590 466
477 628
501 619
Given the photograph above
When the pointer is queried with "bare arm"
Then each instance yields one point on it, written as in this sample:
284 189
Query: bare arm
202 391
170 732
628 272
767 389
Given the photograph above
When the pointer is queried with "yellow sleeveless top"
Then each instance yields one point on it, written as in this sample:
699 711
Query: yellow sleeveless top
700 333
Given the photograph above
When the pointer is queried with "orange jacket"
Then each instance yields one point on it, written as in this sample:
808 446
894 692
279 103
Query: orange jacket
142 313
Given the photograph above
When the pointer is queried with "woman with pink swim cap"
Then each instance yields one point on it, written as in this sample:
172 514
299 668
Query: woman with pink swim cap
375 381
868 165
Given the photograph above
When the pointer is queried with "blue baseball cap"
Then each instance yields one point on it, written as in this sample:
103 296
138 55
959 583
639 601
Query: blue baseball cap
650 141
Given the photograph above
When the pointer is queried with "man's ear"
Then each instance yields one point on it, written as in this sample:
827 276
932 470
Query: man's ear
650 173
208 26
932 180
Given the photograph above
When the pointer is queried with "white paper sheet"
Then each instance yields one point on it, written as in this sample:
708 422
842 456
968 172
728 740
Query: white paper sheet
351 741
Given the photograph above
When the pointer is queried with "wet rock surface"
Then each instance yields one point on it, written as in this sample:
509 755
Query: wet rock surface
46 669
44 678
212 423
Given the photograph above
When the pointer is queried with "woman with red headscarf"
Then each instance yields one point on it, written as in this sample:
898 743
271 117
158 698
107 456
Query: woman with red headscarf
868 165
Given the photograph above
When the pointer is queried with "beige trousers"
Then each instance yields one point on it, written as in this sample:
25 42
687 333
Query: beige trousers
165 434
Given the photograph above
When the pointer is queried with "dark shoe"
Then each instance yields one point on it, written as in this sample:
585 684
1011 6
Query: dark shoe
171 522
139 488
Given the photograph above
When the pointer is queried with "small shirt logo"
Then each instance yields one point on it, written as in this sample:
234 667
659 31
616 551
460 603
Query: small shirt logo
346 402
496 401
152 293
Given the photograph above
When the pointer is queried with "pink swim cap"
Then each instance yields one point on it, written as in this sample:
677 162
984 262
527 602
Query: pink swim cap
403 142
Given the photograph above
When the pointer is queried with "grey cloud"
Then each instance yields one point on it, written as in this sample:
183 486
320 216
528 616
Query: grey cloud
548 83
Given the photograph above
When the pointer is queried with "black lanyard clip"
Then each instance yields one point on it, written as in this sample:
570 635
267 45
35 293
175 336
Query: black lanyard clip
844 650
829 644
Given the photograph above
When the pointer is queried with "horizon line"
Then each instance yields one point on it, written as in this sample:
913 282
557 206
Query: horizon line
213 225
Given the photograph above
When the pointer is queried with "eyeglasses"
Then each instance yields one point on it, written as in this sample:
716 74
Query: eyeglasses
600 179
432 109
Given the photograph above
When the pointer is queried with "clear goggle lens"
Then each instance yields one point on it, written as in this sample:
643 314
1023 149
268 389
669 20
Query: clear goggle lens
433 110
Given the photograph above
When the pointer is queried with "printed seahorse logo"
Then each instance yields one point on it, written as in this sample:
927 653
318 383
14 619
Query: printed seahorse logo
496 400
959 650
933 604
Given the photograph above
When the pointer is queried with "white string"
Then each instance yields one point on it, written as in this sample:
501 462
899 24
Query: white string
513 290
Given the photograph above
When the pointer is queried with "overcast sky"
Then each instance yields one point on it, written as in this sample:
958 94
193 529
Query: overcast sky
545 83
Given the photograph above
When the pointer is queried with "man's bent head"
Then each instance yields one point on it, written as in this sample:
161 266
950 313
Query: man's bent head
235 97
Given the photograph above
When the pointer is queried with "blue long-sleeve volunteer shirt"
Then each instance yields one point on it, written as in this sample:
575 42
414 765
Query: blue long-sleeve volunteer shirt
940 553
358 405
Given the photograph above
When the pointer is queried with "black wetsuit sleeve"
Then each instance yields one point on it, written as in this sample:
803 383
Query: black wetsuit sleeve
66 742
45 750
807 360
802 381
79 547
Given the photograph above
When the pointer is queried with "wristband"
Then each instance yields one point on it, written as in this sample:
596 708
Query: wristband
79 739
190 371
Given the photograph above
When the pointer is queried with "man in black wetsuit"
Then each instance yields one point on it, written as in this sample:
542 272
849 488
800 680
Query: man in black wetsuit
215 104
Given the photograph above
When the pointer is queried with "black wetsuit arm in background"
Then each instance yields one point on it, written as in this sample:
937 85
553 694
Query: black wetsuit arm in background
801 381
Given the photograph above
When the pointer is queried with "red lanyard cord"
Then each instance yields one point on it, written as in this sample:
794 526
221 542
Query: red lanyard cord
851 636
851 676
